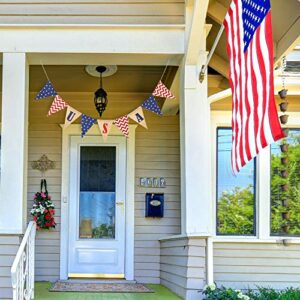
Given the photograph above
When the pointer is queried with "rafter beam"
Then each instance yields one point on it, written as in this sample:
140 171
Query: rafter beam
217 11
288 41
220 65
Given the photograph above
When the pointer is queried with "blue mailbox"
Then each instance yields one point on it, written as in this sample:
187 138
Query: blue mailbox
154 205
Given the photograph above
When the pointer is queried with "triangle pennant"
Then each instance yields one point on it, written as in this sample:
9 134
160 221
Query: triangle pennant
86 123
105 126
71 115
57 105
122 124
162 91
151 104
138 116
47 91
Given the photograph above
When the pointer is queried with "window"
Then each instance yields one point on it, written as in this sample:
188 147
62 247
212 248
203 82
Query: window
285 186
235 194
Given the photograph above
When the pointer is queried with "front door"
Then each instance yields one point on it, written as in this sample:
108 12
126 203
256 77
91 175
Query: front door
96 207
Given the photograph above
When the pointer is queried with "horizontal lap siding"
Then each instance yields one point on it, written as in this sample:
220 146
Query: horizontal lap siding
8 248
157 155
46 139
242 265
182 265
92 12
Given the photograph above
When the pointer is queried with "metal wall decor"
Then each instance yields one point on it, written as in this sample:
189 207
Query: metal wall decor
43 164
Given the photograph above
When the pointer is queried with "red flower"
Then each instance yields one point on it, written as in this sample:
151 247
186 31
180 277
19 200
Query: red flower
48 217
35 218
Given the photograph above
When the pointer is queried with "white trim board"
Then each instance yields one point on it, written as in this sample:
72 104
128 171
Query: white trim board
75 130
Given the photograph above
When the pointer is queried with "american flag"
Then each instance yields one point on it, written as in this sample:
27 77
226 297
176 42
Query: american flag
255 122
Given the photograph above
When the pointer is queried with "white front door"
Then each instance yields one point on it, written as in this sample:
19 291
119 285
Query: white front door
96 207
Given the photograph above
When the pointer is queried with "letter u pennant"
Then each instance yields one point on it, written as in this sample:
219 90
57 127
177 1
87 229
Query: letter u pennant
71 115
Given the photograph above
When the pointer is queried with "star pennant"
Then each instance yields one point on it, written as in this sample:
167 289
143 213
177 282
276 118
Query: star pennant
71 115
151 104
105 126
162 91
122 124
47 91
57 105
86 123
138 116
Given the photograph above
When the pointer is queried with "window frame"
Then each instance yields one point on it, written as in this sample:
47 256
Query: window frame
263 180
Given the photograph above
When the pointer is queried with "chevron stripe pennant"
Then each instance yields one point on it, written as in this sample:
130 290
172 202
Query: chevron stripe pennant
151 104
138 116
47 91
86 123
57 105
122 124
71 115
162 91
105 126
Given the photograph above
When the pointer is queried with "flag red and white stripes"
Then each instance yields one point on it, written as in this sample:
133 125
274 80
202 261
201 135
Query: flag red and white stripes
57 105
255 122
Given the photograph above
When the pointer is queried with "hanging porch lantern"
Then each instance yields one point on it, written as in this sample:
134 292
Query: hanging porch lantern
100 99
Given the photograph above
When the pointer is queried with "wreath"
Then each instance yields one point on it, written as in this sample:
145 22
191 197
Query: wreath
43 209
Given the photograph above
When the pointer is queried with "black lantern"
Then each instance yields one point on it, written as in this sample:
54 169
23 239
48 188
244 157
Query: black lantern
100 98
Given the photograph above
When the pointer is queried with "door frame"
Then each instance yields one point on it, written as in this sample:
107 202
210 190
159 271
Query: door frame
75 130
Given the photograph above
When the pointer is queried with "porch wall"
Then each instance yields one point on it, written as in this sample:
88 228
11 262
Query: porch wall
183 266
243 265
93 12
9 245
157 155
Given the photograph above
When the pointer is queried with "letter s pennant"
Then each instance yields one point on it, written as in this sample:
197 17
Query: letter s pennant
71 115
105 126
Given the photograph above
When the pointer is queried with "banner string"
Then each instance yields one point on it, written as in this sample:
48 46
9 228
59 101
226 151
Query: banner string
45 71
165 69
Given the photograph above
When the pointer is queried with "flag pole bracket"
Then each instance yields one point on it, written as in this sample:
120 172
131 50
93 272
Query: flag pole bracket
210 54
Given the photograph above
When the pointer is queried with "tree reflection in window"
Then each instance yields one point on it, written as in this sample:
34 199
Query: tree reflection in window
285 192
235 193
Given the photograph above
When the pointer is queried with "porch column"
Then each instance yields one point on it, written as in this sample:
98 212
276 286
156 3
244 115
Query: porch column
196 183
14 128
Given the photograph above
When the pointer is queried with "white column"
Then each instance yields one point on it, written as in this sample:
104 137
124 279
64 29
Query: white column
196 183
14 128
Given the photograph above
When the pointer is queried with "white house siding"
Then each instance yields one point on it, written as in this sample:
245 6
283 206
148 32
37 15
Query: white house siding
157 155
183 265
242 265
92 12
9 245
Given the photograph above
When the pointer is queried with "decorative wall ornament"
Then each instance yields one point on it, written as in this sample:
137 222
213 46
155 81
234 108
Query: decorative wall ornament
43 164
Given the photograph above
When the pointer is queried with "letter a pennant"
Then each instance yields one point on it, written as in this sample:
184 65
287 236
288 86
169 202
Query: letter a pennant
138 116
162 91
71 115
47 91
57 105
86 123
122 124
105 126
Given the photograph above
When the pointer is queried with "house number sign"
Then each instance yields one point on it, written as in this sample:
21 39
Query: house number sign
153 182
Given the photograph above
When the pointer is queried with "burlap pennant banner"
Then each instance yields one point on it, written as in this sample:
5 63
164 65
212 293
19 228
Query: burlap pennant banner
87 122
138 116
105 126
123 124
57 105
71 115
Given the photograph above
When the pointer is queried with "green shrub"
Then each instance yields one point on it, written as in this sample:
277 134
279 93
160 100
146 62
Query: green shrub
212 292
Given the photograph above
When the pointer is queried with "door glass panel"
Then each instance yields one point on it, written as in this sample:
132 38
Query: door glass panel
97 192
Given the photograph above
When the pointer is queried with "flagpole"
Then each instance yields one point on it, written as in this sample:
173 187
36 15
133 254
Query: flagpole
211 52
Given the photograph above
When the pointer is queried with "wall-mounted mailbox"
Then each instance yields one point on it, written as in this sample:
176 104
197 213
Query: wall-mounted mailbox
154 205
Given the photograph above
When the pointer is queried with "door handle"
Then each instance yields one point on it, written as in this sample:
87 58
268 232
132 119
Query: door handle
120 203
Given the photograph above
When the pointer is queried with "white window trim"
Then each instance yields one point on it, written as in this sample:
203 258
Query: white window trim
223 118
